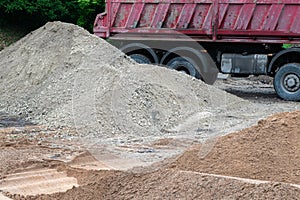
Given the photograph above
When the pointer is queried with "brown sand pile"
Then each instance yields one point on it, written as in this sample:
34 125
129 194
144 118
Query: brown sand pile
268 151
169 184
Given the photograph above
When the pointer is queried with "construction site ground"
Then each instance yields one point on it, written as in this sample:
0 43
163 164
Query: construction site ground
242 143
37 164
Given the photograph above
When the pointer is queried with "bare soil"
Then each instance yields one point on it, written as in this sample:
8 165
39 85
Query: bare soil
268 151
169 184
260 162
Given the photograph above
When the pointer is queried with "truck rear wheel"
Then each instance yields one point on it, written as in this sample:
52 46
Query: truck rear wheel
287 82
183 65
141 59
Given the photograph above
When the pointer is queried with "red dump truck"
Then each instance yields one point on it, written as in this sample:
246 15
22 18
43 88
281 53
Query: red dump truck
204 37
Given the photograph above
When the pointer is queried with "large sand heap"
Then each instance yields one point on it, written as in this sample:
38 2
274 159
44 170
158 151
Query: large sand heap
61 75
269 151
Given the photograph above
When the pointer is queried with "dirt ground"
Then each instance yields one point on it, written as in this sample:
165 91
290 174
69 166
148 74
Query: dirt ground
268 151
260 162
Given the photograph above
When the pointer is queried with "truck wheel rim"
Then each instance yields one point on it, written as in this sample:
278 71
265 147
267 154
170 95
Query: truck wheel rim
291 82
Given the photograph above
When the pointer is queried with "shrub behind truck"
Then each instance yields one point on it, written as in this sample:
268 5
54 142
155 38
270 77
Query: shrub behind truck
204 37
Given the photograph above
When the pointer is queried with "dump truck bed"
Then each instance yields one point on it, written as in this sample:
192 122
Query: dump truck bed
264 21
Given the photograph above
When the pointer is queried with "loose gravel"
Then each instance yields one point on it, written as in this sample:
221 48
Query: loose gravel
62 76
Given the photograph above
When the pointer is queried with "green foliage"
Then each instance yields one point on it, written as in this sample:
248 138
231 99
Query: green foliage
87 12
37 12
46 9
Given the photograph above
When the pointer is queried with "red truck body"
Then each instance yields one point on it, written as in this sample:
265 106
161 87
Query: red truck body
204 37
260 21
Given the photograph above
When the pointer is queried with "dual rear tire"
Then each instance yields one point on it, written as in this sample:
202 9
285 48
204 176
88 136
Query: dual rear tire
286 80
141 59
181 64
191 58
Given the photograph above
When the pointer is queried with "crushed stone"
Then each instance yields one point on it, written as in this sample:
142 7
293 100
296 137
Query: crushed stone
62 76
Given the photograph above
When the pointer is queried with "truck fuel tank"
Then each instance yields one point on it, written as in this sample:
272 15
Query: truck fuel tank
255 64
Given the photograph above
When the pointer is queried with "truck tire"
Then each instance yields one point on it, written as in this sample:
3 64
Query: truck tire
141 59
183 65
287 82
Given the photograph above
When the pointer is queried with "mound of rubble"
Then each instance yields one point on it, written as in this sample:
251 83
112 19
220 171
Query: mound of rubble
61 75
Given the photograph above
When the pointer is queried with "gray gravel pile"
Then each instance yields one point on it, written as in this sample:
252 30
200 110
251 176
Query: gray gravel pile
38 72
61 75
